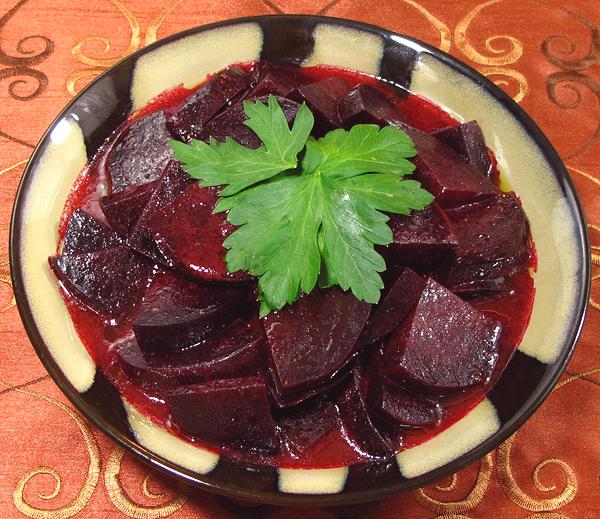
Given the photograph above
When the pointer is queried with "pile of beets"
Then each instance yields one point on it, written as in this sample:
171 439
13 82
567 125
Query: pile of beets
154 258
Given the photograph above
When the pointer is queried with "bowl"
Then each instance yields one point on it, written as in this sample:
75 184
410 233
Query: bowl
527 160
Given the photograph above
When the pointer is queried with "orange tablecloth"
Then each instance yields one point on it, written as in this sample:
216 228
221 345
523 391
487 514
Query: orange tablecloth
545 53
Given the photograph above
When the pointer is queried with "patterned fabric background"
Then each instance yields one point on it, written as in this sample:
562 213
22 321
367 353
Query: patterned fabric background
545 53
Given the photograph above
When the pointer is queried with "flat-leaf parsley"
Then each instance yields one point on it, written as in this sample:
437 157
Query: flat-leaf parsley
311 219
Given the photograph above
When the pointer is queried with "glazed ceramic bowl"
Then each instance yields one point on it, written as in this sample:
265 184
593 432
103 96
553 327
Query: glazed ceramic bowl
526 159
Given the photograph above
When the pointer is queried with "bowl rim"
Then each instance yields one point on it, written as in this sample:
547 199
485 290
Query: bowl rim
276 497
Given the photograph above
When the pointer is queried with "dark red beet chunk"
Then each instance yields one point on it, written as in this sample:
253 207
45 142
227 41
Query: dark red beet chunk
445 345
300 428
287 400
445 175
492 243
467 140
190 235
359 428
232 412
123 209
172 182
422 238
177 313
237 351
322 98
111 281
86 234
140 153
311 339
394 308
401 407
278 80
230 123
187 123
367 105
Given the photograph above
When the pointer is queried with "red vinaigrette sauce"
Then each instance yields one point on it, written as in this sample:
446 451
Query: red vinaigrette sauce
101 335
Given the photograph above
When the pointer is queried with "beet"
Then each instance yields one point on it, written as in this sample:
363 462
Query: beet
177 313
218 92
86 234
444 174
467 140
422 238
237 351
172 182
367 105
322 98
190 235
445 344
394 307
140 153
359 428
301 427
230 123
311 339
231 412
278 80
402 407
111 281
123 209
285 400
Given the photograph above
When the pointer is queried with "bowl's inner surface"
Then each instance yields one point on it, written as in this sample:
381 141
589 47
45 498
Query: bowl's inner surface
525 159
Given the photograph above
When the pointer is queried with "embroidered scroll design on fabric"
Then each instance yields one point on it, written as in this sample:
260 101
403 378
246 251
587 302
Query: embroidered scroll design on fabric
495 65
474 497
91 480
124 503
95 66
564 88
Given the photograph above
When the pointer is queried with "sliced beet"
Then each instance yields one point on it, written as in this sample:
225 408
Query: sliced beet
230 123
232 413
111 281
218 92
444 345
177 313
236 351
401 407
285 400
421 238
467 140
322 98
359 428
190 235
311 339
394 308
140 153
444 174
301 427
86 234
365 104
275 79
172 182
123 209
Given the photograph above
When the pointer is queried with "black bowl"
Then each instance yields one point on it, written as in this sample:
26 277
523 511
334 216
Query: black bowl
527 160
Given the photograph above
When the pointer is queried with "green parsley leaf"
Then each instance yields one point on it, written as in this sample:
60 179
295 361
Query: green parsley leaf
231 163
313 222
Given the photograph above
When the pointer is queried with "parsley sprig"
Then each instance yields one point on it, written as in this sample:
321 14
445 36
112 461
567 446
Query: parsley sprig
313 219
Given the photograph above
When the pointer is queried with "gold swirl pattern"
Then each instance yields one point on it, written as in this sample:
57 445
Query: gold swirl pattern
596 262
571 78
445 33
512 489
95 66
494 65
474 497
91 480
124 503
